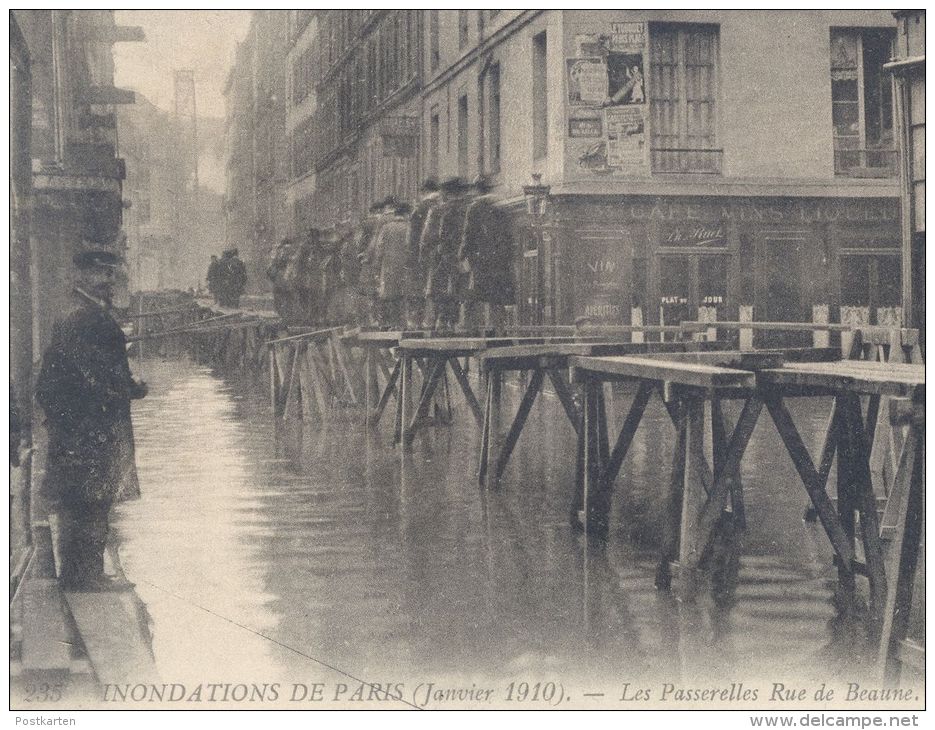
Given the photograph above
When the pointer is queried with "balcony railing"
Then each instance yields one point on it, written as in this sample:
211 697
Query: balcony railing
687 160
865 163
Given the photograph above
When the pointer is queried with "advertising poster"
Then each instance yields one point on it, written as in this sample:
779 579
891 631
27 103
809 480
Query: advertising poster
585 124
587 81
625 83
626 137
607 88
627 37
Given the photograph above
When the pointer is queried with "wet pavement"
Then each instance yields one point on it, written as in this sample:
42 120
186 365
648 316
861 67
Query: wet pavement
267 555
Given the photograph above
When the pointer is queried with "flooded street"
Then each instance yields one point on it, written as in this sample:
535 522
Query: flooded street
264 554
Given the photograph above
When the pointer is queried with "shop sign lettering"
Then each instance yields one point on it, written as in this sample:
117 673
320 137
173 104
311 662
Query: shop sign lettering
701 236
781 211
604 311
602 266
585 127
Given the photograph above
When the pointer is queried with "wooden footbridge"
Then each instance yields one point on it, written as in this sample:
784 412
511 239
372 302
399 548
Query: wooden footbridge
872 377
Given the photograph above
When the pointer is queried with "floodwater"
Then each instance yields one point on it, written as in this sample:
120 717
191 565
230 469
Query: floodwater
265 555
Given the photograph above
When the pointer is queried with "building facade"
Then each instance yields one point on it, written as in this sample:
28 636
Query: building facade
362 142
908 69
66 183
148 143
256 142
701 164
708 164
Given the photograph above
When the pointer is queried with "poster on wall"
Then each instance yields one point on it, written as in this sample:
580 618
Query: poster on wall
608 101
587 81
626 137
625 83
586 124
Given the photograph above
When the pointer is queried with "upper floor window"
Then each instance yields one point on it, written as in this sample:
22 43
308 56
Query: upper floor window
683 98
493 90
463 136
434 55
462 28
540 96
434 134
303 76
862 102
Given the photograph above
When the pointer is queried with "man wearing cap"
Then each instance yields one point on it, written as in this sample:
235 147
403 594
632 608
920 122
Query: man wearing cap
85 388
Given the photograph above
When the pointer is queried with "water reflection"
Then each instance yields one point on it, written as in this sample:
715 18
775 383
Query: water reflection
280 552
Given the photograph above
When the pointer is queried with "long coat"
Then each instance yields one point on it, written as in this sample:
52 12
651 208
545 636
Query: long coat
85 388
391 254
418 268
487 246
364 242
441 240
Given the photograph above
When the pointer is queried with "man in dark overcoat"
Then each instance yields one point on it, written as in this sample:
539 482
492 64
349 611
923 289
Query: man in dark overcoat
214 273
233 279
367 231
442 234
84 388
415 295
487 253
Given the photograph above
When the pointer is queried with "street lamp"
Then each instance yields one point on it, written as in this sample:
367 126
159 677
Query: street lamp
537 199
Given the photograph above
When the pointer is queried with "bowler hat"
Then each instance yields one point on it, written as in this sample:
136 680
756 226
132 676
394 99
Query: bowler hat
453 185
430 185
96 257
482 184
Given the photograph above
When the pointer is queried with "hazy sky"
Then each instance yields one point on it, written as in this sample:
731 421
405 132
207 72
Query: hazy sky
202 40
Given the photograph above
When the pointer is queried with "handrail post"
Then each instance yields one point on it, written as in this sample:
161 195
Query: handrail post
820 315
745 314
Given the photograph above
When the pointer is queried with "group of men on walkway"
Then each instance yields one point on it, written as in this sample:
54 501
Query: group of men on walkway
447 263
227 278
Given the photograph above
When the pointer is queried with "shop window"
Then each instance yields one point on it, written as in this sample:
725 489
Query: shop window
683 98
540 96
871 281
862 103
493 86
675 289
712 280
463 136
689 282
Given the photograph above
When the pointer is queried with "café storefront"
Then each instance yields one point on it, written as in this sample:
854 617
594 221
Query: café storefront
662 260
